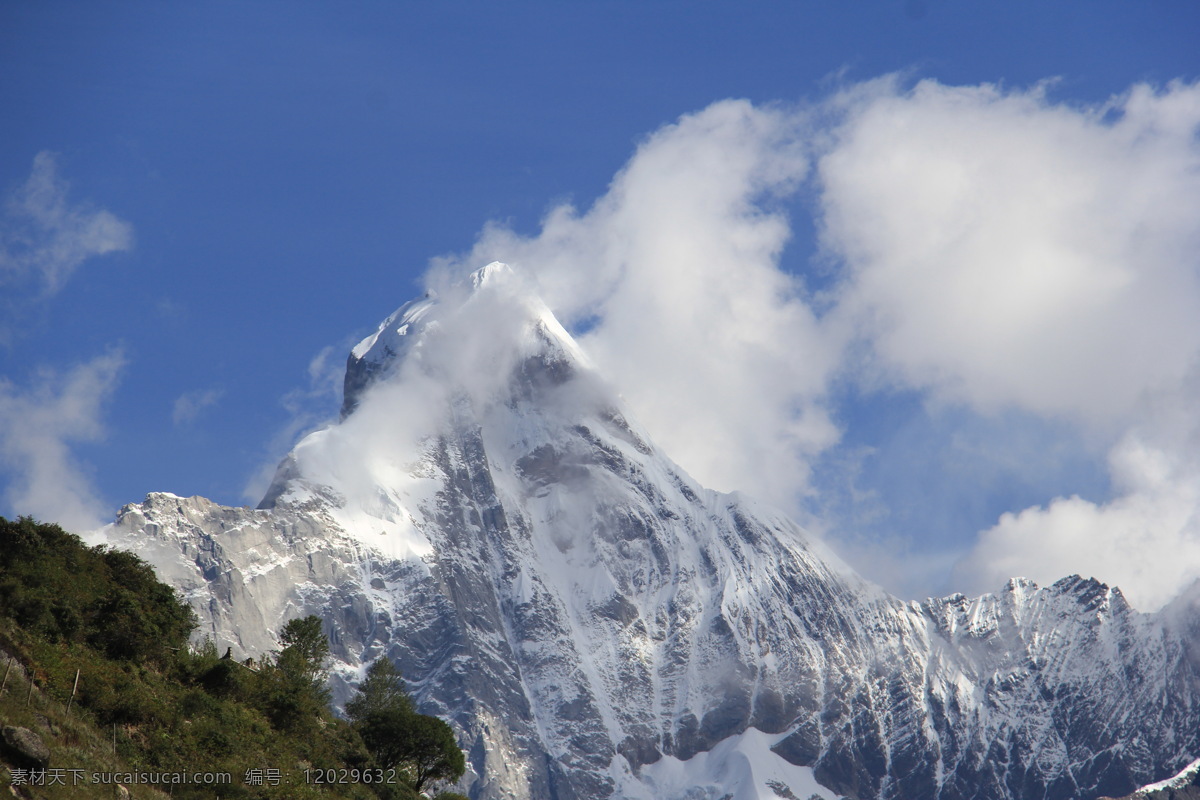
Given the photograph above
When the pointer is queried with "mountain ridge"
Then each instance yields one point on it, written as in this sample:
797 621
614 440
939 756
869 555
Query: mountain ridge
487 515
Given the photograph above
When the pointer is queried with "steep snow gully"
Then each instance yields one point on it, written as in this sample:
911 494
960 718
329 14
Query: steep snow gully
595 624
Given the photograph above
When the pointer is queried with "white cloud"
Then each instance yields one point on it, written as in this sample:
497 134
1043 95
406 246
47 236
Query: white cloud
1003 251
714 348
37 426
44 238
905 507
993 249
1146 540
189 404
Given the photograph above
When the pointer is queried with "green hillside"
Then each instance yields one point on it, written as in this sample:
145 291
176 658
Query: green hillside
95 654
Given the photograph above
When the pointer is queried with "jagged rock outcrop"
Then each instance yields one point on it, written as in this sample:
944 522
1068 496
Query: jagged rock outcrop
595 624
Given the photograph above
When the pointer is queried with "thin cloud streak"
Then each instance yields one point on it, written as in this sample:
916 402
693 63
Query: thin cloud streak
44 239
189 405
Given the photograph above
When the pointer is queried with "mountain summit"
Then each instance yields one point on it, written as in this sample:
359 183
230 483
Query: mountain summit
595 624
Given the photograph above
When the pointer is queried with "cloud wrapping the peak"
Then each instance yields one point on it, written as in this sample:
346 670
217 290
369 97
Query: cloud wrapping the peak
44 238
676 271
445 360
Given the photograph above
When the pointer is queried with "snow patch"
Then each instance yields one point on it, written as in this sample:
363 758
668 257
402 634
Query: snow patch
739 768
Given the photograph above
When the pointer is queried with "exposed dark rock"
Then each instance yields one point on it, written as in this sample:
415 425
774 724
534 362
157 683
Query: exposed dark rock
25 747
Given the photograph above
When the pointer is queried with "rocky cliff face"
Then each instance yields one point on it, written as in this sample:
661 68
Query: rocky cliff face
595 624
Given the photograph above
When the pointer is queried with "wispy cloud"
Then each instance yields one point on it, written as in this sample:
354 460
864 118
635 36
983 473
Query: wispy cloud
38 425
308 408
44 238
189 404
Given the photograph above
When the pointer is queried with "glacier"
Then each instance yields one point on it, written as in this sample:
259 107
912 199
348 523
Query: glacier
595 624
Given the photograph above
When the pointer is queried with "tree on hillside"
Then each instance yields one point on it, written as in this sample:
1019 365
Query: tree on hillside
305 655
430 752
294 686
381 693
397 736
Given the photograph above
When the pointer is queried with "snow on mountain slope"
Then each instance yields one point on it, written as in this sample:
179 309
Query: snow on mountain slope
1183 786
1188 777
595 624
741 767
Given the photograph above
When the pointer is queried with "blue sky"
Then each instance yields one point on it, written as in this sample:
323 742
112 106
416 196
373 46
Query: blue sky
242 190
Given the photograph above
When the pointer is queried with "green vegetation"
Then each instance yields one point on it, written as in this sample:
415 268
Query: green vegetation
147 702
397 737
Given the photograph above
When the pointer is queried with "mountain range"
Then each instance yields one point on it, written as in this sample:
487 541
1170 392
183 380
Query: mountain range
593 623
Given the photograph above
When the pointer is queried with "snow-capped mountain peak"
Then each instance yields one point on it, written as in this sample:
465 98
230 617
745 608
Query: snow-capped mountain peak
462 335
595 624
495 271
